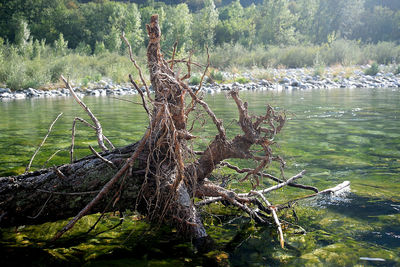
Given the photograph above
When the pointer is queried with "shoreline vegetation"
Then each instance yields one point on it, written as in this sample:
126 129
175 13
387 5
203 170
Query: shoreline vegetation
254 79
33 69
43 39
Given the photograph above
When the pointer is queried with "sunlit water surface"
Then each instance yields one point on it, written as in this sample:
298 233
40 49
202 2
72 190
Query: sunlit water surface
336 135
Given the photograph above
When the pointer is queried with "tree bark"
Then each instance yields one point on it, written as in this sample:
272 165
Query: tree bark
50 194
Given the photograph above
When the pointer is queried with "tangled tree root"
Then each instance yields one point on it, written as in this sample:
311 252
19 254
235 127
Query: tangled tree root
173 175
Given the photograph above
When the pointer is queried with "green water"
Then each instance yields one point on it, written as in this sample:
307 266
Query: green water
336 135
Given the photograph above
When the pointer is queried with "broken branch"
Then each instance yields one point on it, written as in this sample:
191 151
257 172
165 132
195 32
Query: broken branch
42 143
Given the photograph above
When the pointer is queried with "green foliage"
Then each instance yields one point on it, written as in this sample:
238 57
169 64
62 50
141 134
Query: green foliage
276 23
99 48
269 33
384 53
342 52
298 56
373 70
216 75
60 45
83 49
242 80
205 22
194 80
177 24
397 70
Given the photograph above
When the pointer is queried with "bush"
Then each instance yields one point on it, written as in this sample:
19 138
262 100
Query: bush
242 80
344 52
384 52
297 56
397 70
216 75
373 70
194 80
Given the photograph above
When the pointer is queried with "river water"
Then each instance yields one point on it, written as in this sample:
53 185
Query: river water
336 135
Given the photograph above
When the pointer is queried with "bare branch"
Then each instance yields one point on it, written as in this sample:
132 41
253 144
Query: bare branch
141 94
42 143
204 73
55 153
41 210
59 173
173 55
276 219
267 190
332 190
67 193
106 161
136 65
99 129
186 61
264 174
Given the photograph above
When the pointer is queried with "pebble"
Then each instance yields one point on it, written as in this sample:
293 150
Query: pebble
294 79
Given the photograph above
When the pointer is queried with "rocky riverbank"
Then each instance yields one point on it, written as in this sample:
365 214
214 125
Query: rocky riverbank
280 80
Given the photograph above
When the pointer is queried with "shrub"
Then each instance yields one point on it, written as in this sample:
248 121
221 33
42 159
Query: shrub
373 70
297 56
397 70
344 52
319 70
242 80
384 52
194 80
216 75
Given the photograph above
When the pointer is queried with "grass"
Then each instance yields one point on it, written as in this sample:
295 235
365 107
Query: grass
39 66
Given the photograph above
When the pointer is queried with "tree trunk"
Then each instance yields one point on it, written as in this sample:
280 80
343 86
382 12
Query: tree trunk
50 194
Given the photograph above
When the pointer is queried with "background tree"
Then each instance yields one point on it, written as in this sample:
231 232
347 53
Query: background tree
275 24
204 24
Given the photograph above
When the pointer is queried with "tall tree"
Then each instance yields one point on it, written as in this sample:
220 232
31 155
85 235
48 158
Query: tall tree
276 23
235 25
204 25
177 27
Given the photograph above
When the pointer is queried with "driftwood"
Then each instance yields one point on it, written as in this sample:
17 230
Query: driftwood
160 176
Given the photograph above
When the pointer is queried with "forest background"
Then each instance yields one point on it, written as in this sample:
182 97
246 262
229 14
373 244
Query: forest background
42 39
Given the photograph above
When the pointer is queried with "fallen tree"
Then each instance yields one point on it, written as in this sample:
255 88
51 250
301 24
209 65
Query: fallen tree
160 176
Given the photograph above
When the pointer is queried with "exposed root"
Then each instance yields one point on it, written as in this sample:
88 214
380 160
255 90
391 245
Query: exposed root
175 174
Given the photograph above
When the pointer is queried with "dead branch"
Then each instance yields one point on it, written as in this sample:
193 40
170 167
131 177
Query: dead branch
59 173
106 161
55 153
98 128
275 187
42 143
186 61
276 219
188 65
327 191
68 193
136 65
141 95
264 174
205 71
41 210
173 55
